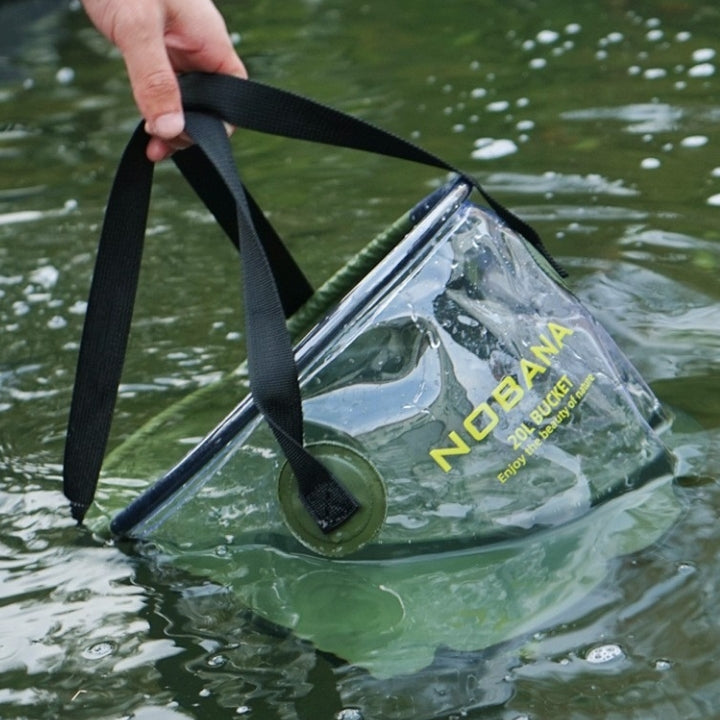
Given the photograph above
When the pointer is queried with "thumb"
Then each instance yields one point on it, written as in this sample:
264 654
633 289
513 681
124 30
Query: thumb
155 88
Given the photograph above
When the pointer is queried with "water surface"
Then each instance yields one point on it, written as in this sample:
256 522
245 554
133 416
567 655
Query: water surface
596 121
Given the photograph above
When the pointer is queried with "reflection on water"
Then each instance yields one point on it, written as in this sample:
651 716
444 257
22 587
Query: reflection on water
597 121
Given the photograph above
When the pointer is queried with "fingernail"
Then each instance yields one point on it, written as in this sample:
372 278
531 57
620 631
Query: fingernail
168 126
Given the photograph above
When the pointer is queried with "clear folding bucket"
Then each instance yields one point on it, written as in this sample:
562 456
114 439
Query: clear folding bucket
501 447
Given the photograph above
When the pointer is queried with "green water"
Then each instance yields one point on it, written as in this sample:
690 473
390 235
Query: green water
608 114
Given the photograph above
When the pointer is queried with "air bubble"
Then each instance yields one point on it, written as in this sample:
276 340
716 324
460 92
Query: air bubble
490 148
694 141
654 73
349 714
65 75
538 63
604 654
79 307
498 106
215 661
45 276
547 37
57 322
650 163
703 55
702 70
98 651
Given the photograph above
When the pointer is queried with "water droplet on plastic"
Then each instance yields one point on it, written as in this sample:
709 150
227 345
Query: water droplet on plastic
662 664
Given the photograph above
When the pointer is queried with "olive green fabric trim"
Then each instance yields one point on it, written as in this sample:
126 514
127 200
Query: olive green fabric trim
336 287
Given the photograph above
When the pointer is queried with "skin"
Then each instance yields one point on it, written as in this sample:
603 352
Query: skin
159 39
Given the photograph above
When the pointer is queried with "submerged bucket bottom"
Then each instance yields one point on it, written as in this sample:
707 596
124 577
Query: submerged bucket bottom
389 617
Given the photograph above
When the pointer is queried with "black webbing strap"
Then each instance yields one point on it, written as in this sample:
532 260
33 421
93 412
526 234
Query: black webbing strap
273 285
271 362
266 266
212 189
107 325
256 106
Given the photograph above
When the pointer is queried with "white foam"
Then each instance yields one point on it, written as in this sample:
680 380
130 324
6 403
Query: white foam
491 148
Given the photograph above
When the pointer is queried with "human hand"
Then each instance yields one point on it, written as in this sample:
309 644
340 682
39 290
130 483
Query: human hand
159 38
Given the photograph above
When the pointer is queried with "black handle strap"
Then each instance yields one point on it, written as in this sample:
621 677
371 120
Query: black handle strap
213 190
255 106
271 362
274 286
107 325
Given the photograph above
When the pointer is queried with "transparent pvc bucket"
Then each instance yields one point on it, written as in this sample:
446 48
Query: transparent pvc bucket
502 447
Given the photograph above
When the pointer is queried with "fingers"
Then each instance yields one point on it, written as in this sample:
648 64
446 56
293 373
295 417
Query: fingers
153 79
158 39
194 38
